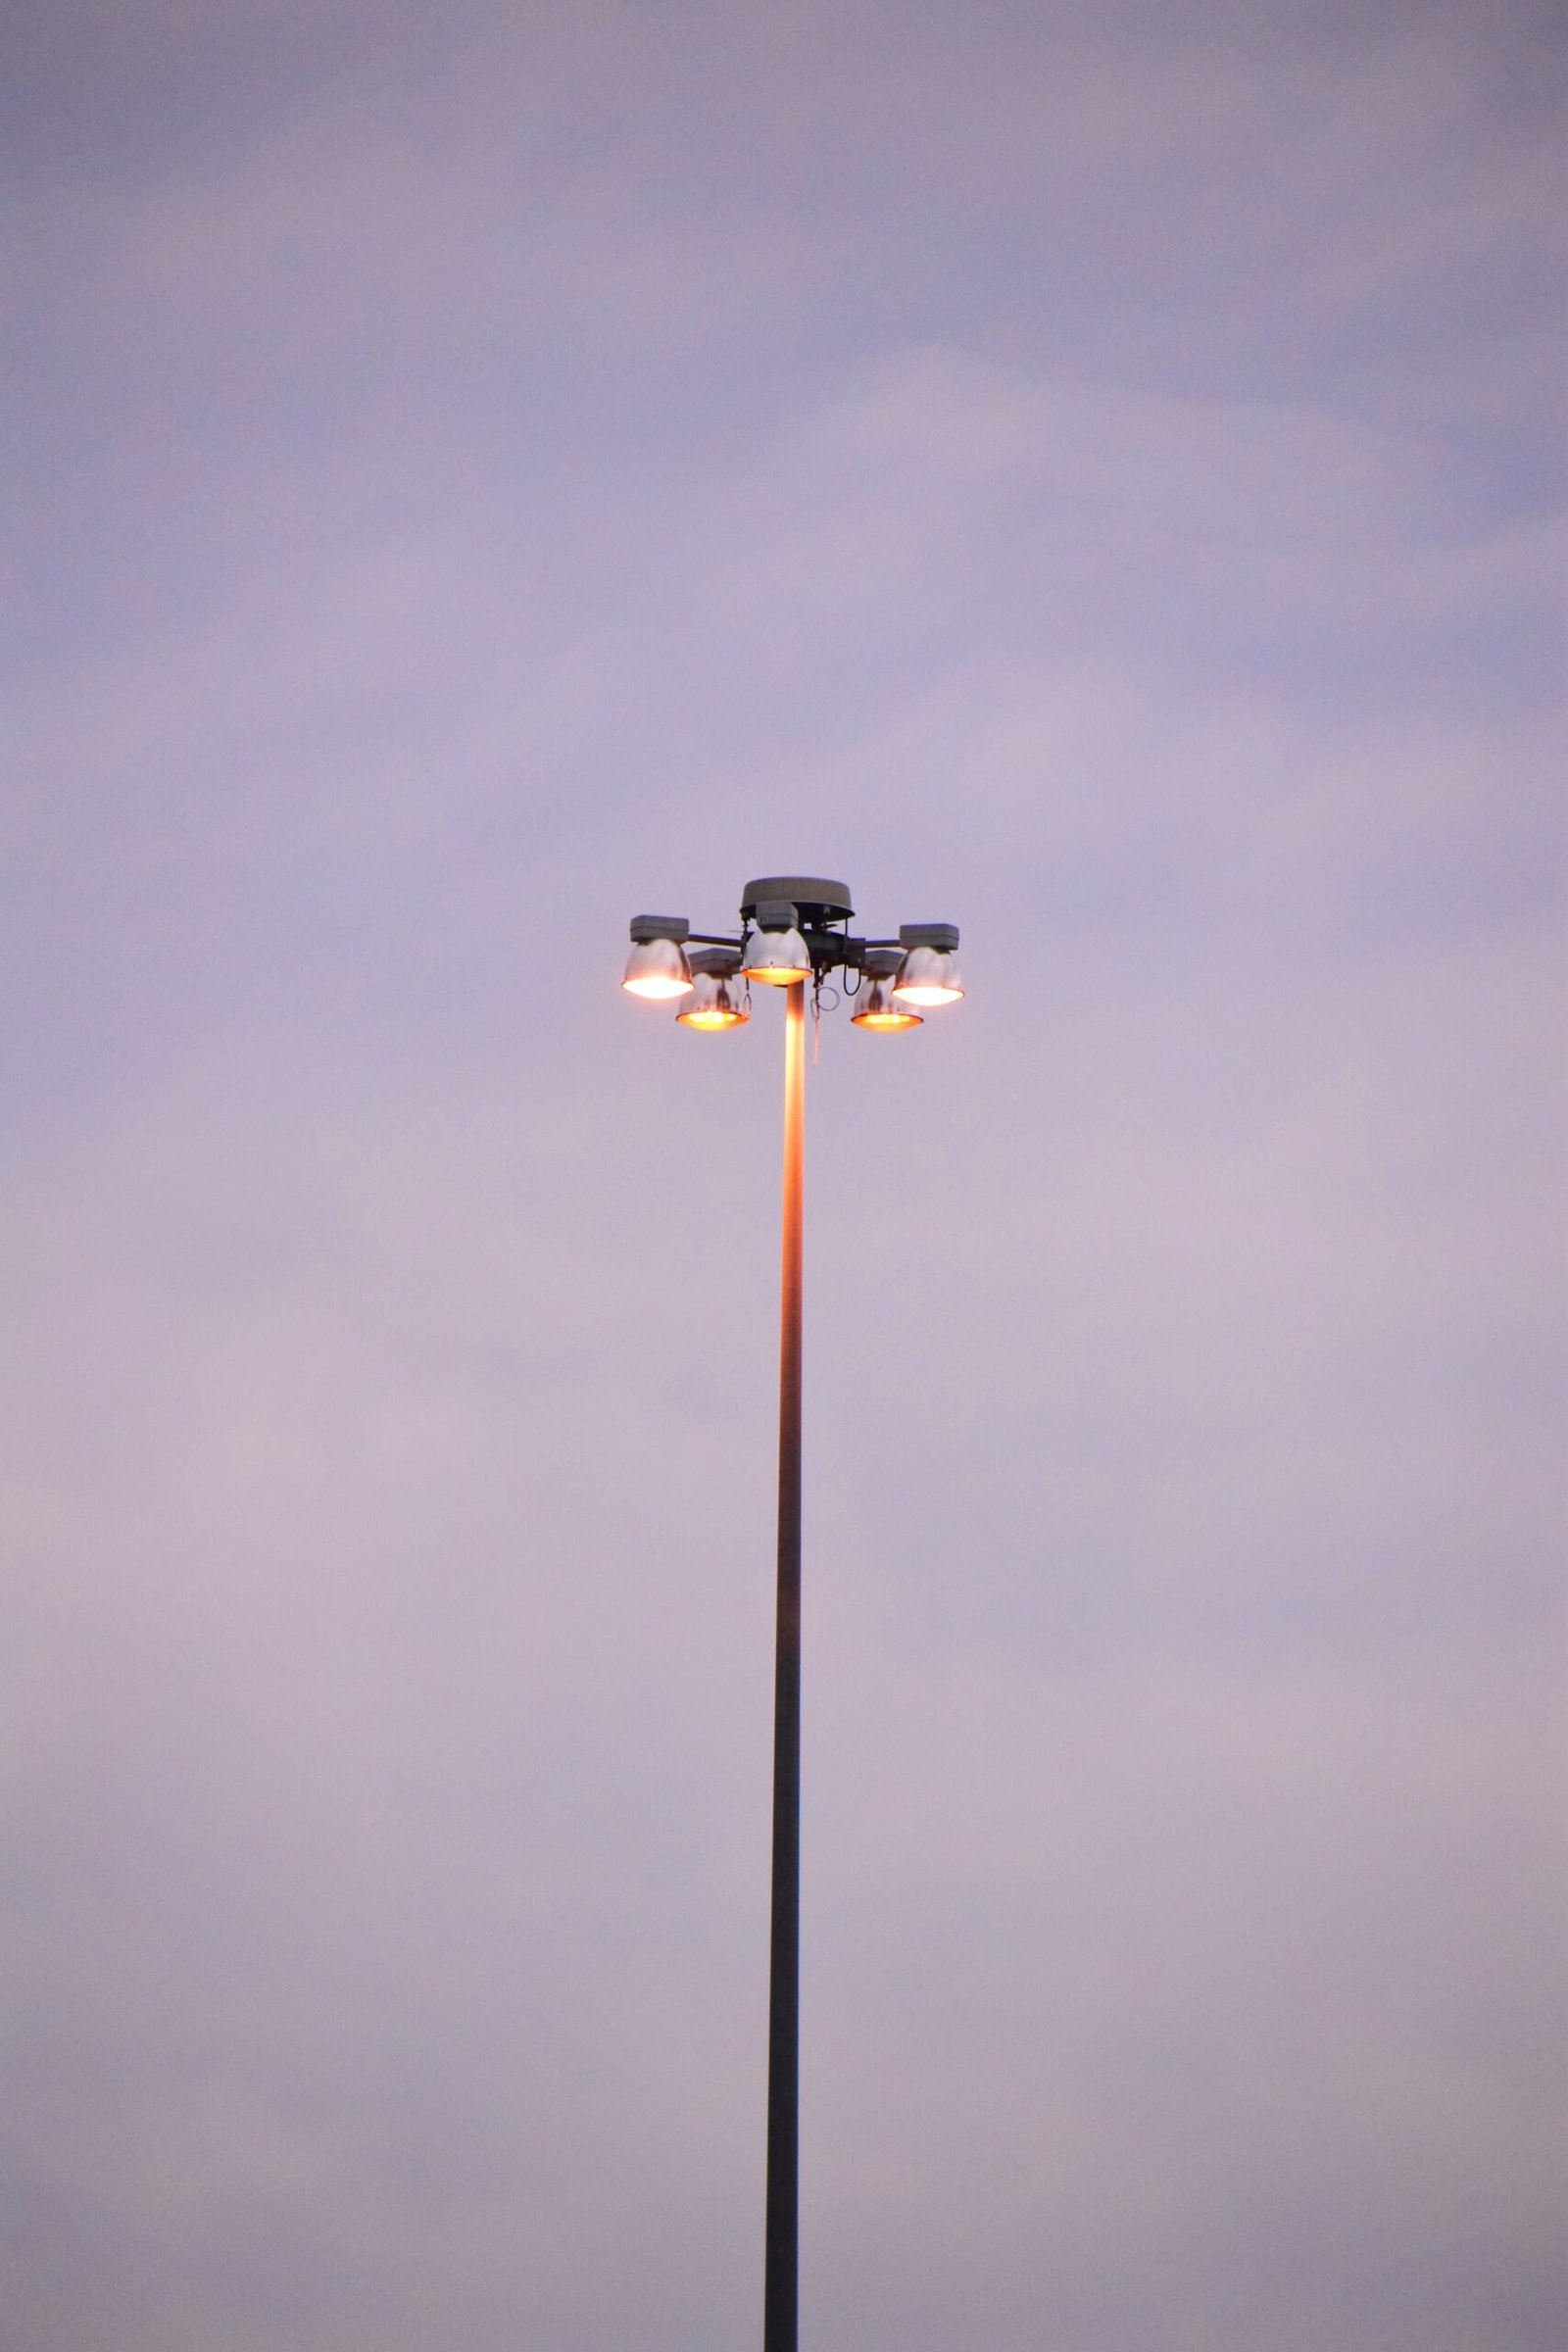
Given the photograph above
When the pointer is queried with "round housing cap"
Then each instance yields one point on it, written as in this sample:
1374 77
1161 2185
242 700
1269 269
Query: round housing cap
815 900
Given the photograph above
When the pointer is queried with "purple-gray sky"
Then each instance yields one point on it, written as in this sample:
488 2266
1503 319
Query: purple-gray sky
1093 473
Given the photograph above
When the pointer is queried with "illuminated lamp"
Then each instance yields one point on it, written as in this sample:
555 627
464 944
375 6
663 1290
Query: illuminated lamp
876 1007
929 971
715 1001
775 951
657 966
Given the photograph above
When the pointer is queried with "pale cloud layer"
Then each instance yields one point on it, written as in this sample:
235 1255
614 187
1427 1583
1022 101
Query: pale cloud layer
1094 475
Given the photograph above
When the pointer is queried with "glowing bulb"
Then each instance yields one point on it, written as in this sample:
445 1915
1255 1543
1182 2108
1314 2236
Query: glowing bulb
876 1007
658 967
714 1004
928 976
776 957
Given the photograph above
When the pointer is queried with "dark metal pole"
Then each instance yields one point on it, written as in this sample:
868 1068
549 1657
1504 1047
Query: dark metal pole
779 2323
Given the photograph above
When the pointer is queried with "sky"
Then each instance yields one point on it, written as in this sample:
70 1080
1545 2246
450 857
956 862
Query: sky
1090 473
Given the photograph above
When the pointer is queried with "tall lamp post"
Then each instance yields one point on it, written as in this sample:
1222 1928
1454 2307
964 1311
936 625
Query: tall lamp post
794 934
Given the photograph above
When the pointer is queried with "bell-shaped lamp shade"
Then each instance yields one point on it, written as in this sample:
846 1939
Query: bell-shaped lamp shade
658 967
928 976
776 957
876 1007
713 1004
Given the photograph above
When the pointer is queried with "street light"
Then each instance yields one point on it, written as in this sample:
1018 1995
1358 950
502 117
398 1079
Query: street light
657 966
876 1007
794 933
715 1001
776 948
929 971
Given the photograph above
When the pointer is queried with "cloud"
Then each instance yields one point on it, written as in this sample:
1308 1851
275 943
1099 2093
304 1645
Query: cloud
1088 481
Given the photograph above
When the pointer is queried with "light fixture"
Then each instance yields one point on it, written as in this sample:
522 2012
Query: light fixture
876 1007
713 1004
776 953
929 971
793 933
657 966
